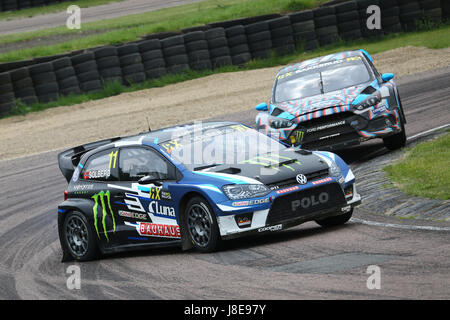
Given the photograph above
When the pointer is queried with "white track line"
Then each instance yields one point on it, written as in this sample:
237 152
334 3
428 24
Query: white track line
399 226
428 131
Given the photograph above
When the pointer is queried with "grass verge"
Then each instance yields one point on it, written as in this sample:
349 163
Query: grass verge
133 27
434 39
425 171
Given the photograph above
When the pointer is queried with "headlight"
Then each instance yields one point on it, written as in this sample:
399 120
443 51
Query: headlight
243 191
370 101
334 171
279 123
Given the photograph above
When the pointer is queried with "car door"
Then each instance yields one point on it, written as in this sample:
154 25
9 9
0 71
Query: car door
146 208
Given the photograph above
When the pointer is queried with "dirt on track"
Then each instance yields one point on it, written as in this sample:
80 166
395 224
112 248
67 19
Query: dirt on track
197 99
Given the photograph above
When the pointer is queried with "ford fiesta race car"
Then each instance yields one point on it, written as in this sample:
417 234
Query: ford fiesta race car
333 102
194 186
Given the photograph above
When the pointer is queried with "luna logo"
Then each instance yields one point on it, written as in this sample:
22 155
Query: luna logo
310 201
155 207
101 197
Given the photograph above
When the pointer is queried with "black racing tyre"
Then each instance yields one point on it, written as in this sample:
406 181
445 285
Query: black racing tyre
135 77
19 74
196 45
86 66
323 11
261 45
130 59
260 36
155 73
61 63
5 78
88 76
215 33
311 45
411 16
235 31
348 16
285 49
385 4
199 55
398 140
6 96
79 237
328 39
349 26
44 78
104 52
351 35
68 83
108 62
194 36
391 12
217 43
25 92
172 41
323 32
91 86
29 100
241 59
411 6
127 49
132 69
325 21
46 88
390 21
201 65
257 27
201 224
40 68
261 54
281 42
71 90
149 45
80 58
305 36
242 48
335 220
220 52
345 7
303 26
430 4
152 55
111 73
222 61
178 68
237 40
281 32
23 83
154 64
181 59
281 22
301 16
49 97
5 108
396 28
65 73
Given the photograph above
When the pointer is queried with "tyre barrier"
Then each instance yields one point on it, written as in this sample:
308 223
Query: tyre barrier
108 64
218 47
197 49
175 54
131 64
303 29
152 58
238 45
259 39
14 5
86 71
235 42
282 35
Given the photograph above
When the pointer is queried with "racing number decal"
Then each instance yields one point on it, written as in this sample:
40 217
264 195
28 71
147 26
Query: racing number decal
113 155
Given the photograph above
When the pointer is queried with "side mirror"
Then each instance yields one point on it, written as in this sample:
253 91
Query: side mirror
262 107
149 179
387 76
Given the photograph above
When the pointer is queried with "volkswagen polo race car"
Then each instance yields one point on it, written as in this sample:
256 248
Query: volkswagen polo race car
194 186
333 102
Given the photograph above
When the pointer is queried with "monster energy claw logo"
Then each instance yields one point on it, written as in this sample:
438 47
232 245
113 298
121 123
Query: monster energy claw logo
101 196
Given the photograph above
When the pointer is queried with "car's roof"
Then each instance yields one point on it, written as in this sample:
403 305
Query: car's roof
323 59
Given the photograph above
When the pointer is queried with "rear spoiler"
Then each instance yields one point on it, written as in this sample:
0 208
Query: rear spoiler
68 160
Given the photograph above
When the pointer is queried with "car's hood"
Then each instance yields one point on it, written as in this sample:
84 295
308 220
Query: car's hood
267 169
338 98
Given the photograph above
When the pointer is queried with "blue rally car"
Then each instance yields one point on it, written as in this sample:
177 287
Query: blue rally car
333 102
194 186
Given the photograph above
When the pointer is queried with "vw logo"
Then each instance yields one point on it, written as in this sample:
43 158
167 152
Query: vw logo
301 179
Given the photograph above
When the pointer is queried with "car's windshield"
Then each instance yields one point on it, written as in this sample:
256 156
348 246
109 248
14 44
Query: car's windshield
322 78
226 145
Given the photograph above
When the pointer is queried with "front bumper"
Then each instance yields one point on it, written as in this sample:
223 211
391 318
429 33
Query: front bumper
261 221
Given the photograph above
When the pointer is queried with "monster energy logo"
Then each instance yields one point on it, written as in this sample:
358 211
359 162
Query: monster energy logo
101 196
273 161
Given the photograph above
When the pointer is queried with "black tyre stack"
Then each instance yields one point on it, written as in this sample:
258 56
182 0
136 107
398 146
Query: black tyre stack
6 93
197 50
23 86
259 39
364 16
390 16
24 4
66 76
432 10
410 14
38 3
238 45
218 47
10 5
108 64
45 83
349 25
131 63
326 25
445 6
152 58
177 60
86 70
303 28
282 35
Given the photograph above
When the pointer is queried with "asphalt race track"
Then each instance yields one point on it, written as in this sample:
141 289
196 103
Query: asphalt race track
306 262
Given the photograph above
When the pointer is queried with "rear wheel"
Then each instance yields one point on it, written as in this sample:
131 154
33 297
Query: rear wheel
335 220
79 237
202 226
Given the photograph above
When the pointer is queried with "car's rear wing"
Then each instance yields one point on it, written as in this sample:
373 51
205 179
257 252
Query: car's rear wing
68 160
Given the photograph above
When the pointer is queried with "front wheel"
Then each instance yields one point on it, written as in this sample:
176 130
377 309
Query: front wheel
202 226
336 220
79 237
